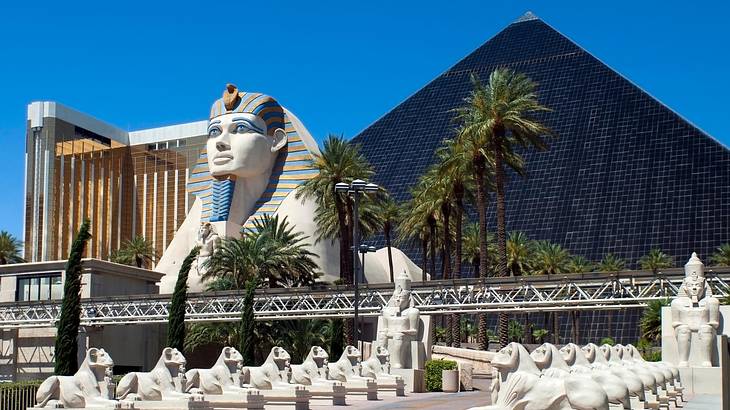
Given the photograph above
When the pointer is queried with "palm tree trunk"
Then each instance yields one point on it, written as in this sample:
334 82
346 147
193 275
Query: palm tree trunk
424 258
501 234
482 339
446 211
459 215
344 239
575 322
556 328
390 253
446 259
432 236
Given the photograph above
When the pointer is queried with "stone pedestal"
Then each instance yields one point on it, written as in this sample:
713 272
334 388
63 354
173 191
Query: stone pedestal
466 375
414 379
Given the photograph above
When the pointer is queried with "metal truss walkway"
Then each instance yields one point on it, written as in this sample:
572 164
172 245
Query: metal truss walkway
515 294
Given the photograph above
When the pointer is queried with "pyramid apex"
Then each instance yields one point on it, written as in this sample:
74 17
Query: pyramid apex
527 17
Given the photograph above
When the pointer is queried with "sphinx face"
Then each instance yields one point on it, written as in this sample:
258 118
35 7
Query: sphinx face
589 352
238 146
568 353
541 355
505 358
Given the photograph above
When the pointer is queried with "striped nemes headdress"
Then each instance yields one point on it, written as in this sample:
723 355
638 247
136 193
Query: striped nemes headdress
260 105
292 167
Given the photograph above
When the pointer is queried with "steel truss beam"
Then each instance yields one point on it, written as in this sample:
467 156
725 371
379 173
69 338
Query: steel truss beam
523 294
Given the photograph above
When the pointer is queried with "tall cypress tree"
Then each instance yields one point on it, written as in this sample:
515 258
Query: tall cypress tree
247 329
66 348
176 316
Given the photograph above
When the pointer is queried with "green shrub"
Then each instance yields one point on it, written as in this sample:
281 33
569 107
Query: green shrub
18 385
653 356
539 335
433 373
607 341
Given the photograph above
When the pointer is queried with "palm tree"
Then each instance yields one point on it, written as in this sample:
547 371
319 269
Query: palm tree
655 260
579 264
471 247
339 161
390 214
298 336
457 174
721 257
497 118
549 258
501 114
611 263
271 251
9 249
651 320
420 218
518 253
137 250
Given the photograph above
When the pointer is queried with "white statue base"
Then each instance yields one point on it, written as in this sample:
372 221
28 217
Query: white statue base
412 381
298 396
188 403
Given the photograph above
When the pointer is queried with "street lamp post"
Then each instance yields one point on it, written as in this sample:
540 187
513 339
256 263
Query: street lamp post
355 189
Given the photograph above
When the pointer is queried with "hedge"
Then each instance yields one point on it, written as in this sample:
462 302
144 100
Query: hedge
433 373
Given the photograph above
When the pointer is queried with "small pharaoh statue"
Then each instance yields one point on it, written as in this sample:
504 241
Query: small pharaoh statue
399 325
208 240
695 310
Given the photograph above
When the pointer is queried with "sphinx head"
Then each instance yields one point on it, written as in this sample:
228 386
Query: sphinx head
172 359
542 356
353 354
231 356
319 356
590 351
245 134
99 362
281 357
569 352
507 358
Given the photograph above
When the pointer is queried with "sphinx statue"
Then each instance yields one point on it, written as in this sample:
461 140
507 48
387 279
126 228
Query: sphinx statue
695 311
223 377
401 330
550 360
256 156
520 384
347 369
591 357
165 381
671 372
313 373
377 367
85 389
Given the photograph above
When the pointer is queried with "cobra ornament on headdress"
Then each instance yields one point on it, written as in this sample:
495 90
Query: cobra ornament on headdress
291 169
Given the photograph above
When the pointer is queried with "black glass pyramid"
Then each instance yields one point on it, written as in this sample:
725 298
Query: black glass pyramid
625 175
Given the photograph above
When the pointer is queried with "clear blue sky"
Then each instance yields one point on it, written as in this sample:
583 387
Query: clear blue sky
338 65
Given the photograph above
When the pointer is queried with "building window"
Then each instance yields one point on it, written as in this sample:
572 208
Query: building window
45 287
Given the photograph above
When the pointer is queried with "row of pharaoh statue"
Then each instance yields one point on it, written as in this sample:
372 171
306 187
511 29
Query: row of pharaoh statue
574 377
227 384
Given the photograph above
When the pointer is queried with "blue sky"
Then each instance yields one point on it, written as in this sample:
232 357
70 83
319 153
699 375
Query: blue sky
338 65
